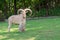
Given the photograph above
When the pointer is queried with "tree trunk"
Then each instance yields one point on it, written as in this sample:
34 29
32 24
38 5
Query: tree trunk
5 9
47 7
15 11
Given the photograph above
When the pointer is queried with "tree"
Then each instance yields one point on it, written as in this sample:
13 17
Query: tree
15 11
5 9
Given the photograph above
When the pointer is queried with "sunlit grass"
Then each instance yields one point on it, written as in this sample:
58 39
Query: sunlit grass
41 29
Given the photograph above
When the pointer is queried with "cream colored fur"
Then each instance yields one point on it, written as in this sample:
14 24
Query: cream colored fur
18 19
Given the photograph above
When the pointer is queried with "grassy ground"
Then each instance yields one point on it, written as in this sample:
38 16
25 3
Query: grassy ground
41 29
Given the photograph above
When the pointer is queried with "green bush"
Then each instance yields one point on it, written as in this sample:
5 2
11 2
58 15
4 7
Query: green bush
2 17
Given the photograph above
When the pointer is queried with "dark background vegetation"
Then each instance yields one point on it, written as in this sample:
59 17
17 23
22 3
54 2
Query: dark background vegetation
42 8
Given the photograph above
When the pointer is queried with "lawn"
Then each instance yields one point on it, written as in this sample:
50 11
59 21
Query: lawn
41 29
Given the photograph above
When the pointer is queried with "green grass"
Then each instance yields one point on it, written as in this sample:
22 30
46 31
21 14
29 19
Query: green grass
41 29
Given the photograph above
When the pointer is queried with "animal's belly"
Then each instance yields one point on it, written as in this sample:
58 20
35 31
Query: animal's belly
16 21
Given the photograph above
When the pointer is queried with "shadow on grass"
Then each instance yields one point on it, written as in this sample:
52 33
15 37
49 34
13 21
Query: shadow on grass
31 34
18 35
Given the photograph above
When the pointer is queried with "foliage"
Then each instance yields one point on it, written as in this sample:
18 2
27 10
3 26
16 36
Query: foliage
2 17
39 7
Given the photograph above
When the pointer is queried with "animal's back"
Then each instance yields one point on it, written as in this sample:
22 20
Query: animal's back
15 19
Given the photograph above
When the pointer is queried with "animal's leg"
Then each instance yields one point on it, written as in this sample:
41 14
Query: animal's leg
24 24
21 27
9 25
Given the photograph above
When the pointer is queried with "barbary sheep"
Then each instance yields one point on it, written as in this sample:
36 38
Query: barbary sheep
19 19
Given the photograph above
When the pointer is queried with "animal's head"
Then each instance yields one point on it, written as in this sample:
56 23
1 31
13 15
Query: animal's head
24 11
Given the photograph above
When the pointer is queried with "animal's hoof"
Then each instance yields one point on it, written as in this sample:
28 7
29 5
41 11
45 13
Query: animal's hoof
21 30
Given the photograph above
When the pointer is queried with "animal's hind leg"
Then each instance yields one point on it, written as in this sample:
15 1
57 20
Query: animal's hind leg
9 25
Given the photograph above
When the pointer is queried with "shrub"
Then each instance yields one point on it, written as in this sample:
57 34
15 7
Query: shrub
1 16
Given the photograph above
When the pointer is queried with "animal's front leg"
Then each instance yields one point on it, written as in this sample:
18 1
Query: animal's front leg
21 27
